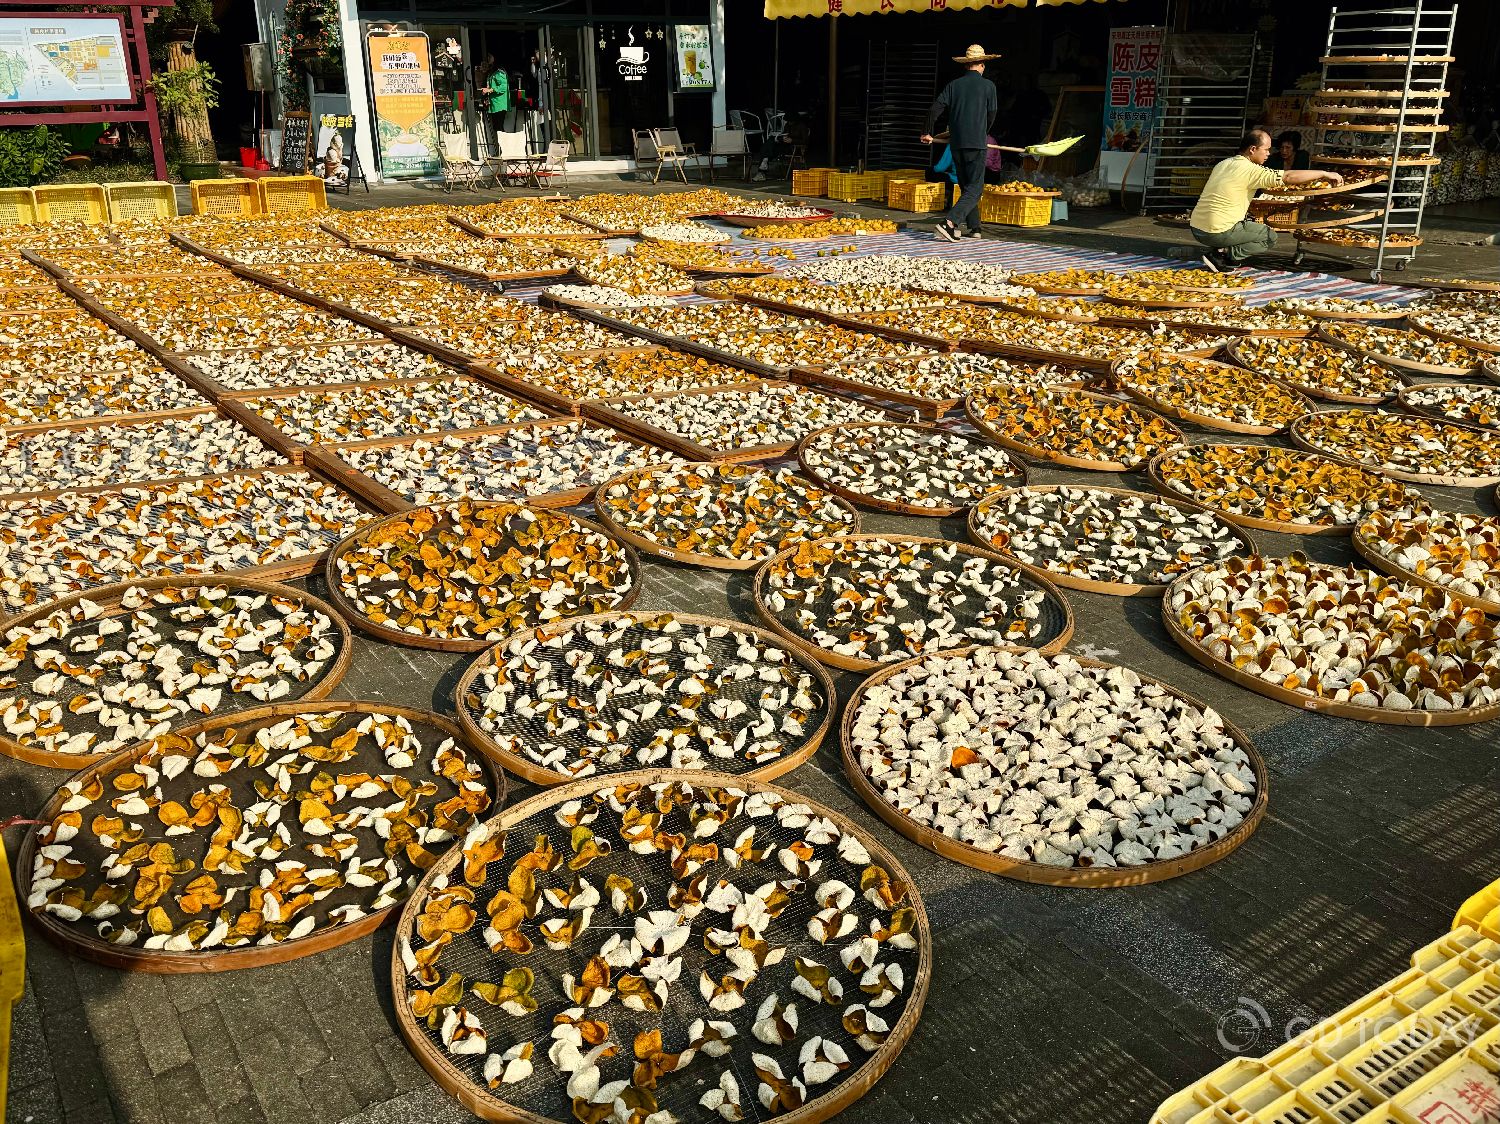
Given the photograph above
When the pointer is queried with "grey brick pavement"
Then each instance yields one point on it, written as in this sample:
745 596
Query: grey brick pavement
1046 1005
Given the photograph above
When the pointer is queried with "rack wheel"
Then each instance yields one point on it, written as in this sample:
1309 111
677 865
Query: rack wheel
1374 275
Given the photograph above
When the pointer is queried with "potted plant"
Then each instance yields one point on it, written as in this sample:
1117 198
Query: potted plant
185 87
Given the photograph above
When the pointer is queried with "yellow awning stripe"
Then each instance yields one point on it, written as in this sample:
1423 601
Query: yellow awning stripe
783 9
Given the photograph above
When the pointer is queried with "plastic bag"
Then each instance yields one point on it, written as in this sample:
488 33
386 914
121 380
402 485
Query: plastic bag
1087 190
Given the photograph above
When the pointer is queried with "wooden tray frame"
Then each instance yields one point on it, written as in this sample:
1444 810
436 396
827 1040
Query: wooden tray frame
533 773
1385 60
1233 351
1092 585
433 262
1410 365
849 320
109 596
561 404
824 378
709 561
132 959
217 391
656 240
1253 522
1435 414
1022 310
602 411
1041 873
1061 290
1316 192
1386 565
1036 452
435 643
1378 715
894 507
852 663
476 1101
1206 421
1226 300
687 346
1439 479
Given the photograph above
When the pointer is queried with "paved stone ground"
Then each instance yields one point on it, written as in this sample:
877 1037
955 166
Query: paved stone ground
1047 1004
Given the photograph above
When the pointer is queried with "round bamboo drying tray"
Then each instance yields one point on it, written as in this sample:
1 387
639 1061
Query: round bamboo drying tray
533 773
1065 317
1215 299
735 219
1395 361
479 1100
658 240
969 298
1207 421
108 596
1433 412
132 958
1315 192
447 644
1304 701
893 506
1092 585
1253 522
649 546
1057 603
1441 479
1452 337
1023 870
1234 351
1068 461
1350 316
1386 565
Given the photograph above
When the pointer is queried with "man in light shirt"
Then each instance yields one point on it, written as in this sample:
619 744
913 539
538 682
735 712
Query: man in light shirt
1218 221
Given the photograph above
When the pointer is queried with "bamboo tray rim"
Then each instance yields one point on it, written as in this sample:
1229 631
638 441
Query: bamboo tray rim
1440 479
1304 701
1038 452
1274 194
1436 413
223 960
1323 335
1417 324
1208 421
1041 873
350 612
488 1107
1233 350
853 663
533 773
1363 547
892 506
109 596
1095 585
711 561
1254 522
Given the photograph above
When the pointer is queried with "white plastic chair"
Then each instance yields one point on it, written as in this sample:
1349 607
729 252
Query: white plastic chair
729 143
555 163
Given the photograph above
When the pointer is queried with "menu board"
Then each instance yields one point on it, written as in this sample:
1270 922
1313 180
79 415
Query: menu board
405 120
295 138
695 59
48 58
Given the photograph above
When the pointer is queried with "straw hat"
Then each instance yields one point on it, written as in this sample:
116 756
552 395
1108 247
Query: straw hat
975 53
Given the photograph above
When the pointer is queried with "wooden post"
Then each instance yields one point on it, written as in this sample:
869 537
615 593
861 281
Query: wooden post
833 91
148 99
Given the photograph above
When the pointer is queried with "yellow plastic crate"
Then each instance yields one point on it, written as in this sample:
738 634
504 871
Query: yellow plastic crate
231 198
71 202
143 200
904 174
850 186
286 195
1373 1060
12 965
17 206
916 195
1482 912
1015 210
810 181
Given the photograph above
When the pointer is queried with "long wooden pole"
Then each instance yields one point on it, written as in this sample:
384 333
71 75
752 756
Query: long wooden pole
833 91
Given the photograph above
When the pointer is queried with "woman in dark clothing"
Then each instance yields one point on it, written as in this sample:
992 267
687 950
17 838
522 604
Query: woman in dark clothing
971 104
1287 155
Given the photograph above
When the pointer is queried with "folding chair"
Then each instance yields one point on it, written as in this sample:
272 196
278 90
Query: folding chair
458 170
519 163
670 149
645 150
555 163
729 143
493 162
747 122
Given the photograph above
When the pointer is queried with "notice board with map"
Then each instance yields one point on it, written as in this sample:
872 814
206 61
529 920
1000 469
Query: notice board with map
51 58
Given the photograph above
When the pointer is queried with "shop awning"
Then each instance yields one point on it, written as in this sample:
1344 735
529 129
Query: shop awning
783 9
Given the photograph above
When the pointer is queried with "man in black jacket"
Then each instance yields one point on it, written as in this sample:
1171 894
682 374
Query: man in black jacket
971 104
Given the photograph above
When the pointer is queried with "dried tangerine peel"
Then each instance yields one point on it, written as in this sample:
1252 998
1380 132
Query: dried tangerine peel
807 949
1460 553
1406 443
251 837
915 467
1318 368
605 694
1057 421
469 571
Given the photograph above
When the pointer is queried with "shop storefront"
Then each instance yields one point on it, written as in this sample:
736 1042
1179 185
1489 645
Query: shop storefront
587 72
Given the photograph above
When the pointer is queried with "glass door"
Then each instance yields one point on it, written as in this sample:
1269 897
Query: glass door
501 79
563 90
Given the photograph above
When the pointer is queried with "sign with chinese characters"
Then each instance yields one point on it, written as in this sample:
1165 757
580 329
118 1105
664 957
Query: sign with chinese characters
1130 104
695 60
46 59
1469 1094
401 88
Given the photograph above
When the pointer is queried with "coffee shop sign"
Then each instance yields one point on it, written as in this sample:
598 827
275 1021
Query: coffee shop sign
633 59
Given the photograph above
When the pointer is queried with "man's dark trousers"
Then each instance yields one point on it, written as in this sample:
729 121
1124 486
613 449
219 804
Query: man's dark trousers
968 164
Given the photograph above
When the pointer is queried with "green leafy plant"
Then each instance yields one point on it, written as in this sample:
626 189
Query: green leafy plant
28 156
183 91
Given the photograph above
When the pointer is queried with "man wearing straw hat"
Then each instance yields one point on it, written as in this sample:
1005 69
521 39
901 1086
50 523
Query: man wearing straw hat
971 104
